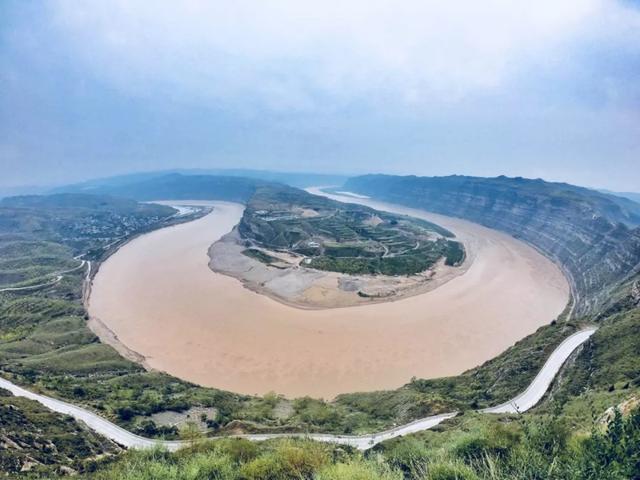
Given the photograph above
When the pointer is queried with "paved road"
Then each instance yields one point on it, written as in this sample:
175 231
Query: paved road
538 387
521 403
181 212
59 276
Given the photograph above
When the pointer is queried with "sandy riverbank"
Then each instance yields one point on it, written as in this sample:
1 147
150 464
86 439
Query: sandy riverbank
300 287
158 295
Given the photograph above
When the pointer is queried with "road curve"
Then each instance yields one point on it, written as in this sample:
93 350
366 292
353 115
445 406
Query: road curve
59 276
538 387
527 399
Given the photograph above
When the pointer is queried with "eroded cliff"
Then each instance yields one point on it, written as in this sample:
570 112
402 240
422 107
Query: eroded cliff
594 236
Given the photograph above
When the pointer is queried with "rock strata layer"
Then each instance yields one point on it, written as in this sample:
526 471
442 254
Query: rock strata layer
593 236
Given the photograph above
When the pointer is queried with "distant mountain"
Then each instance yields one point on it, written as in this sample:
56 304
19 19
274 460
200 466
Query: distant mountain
23 190
594 236
630 195
70 200
294 179
174 186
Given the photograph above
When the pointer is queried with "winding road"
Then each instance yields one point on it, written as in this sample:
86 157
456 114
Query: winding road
58 276
526 400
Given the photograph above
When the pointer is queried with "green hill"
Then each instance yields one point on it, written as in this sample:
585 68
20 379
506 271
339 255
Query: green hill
341 237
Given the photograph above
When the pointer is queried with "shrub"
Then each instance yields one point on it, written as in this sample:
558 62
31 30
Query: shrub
410 456
358 470
239 449
450 471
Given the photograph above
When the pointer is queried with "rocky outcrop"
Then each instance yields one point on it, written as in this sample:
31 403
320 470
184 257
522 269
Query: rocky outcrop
594 237
635 292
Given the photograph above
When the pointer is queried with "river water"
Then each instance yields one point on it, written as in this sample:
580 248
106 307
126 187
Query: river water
159 297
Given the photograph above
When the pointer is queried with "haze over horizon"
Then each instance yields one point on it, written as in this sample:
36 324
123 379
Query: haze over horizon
536 90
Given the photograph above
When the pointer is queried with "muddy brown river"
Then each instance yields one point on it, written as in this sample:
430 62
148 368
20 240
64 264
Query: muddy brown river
158 297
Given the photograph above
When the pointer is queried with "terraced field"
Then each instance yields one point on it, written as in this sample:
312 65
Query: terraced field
347 238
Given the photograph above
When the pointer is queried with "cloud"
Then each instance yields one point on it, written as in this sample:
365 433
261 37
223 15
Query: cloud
544 88
295 55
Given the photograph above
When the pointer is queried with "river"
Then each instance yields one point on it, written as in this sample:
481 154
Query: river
158 296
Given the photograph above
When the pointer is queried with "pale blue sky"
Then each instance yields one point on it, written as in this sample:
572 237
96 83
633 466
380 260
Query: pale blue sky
539 89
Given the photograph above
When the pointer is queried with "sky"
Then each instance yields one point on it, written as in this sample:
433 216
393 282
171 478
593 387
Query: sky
546 89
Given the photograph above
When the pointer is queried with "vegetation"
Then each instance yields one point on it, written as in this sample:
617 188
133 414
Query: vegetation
340 237
55 226
260 255
470 447
454 253
44 343
593 235
526 447
36 442
239 459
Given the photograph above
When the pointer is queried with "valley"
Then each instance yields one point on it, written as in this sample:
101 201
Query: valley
47 346
246 342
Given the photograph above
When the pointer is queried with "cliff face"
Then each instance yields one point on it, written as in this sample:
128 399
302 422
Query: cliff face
593 236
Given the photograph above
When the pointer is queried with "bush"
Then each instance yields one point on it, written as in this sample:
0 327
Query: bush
239 449
290 459
497 441
358 470
450 471
410 456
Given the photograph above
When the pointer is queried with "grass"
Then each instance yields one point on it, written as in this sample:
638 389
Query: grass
470 447
239 459
37 442
24 263
520 447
